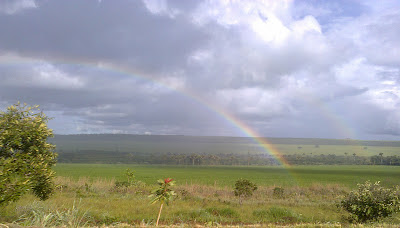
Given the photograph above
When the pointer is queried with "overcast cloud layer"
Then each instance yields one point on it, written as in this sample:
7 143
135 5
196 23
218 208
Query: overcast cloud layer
326 69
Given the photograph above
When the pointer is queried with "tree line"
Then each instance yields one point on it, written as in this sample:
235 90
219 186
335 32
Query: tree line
93 156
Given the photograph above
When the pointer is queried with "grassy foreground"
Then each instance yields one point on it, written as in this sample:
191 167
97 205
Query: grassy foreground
87 196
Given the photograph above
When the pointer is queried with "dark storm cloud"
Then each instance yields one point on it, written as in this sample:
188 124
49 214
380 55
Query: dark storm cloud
123 32
285 68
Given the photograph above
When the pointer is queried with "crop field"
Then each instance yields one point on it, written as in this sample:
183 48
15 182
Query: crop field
223 176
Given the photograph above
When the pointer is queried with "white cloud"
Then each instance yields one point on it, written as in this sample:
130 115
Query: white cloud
269 20
15 6
383 90
251 101
160 7
47 75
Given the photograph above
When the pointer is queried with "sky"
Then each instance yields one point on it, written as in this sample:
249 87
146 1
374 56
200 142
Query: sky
273 68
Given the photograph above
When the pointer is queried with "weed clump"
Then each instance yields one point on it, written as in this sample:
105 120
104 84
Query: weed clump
278 192
37 215
222 212
277 214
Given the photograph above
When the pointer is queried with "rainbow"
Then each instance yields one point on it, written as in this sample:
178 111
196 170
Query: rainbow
114 68
249 132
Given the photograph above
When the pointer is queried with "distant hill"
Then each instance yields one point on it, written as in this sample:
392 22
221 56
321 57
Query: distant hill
117 148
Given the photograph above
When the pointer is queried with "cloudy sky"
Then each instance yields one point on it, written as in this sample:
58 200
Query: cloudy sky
283 68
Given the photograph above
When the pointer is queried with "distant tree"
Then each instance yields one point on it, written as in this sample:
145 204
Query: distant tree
381 155
26 158
249 158
175 158
232 158
200 158
131 157
354 157
213 159
181 157
193 158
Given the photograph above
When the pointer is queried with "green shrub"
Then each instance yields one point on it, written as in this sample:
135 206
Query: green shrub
371 202
130 180
244 188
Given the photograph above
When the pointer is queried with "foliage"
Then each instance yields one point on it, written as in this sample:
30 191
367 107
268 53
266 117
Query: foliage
163 194
130 180
130 175
371 202
26 158
244 188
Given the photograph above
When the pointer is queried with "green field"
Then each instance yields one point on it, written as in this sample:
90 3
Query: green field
88 195
227 175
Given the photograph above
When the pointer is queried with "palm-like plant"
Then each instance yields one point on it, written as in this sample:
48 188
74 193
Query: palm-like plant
162 194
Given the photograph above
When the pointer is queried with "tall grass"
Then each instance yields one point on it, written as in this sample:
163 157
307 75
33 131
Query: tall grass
97 202
37 214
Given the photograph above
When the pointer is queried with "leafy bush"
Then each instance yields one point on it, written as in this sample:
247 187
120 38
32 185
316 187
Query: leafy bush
244 188
371 202
26 158
130 180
